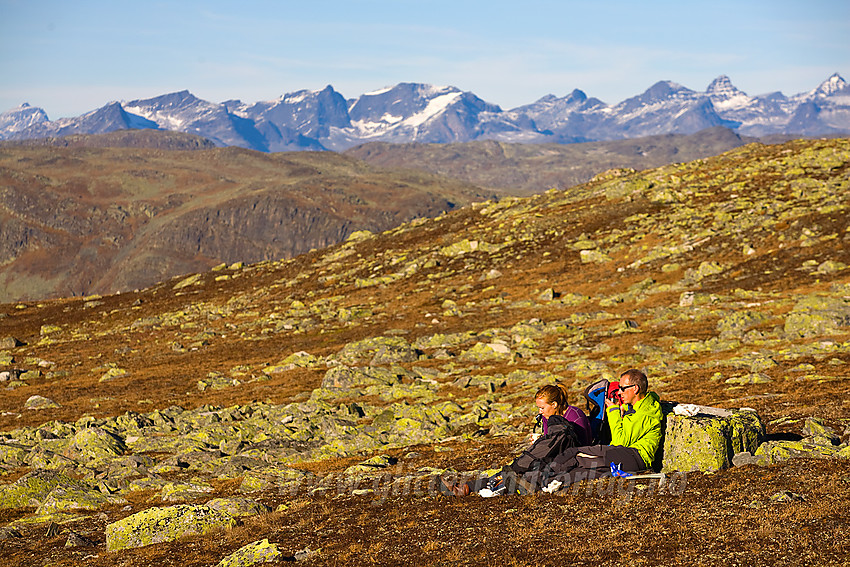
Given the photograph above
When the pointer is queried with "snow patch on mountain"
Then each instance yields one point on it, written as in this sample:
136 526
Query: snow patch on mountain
435 106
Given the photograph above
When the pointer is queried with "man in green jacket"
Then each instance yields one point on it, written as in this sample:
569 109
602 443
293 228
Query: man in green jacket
635 422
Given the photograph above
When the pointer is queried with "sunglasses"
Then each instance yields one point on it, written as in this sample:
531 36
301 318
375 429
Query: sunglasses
624 388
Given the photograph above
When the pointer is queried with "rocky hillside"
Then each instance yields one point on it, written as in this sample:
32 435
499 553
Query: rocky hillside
300 410
79 220
526 169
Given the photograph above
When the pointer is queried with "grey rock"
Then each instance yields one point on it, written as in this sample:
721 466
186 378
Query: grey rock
77 540
37 402
745 458
9 532
10 342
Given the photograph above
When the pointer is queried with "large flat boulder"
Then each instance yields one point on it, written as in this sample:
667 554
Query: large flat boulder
700 438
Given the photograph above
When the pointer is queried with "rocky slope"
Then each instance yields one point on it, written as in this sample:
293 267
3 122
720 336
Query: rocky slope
300 409
79 220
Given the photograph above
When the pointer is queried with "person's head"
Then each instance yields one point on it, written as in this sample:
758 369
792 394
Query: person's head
633 386
551 400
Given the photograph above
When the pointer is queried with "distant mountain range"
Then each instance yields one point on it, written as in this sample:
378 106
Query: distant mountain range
411 112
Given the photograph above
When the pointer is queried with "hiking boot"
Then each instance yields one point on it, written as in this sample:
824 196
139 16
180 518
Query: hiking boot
493 488
457 490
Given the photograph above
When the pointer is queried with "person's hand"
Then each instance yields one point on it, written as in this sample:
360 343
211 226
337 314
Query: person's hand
609 403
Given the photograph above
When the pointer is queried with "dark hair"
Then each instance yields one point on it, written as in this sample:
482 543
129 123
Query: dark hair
554 394
637 377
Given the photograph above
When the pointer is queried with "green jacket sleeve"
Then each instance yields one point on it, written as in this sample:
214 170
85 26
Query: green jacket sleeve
639 427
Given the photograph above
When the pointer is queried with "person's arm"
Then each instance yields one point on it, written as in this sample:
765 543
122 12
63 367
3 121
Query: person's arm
614 414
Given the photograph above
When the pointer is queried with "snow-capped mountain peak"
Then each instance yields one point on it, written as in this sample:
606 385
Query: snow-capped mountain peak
21 118
726 96
830 86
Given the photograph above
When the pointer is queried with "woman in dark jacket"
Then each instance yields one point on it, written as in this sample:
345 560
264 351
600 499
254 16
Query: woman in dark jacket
557 435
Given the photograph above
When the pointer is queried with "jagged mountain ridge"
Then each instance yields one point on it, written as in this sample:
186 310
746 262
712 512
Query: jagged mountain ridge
412 112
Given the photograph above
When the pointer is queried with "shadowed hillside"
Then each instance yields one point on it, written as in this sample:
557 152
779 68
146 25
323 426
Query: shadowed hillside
524 169
81 220
322 394
157 139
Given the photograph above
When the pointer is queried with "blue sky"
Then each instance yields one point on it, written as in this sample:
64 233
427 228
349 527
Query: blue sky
70 57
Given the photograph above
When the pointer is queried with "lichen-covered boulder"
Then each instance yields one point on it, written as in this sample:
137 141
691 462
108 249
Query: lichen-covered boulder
819 441
31 489
95 445
736 323
351 377
253 554
37 402
375 464
816 315
486 351
280 478
12 454
76 496
466 246
158 525
182 491
239 507
709 439
381 350
772 452
593 256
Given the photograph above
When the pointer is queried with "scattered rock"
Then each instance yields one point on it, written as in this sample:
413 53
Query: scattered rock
253 554
786 496
37 402
306 554
77 540
816 315
10 342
